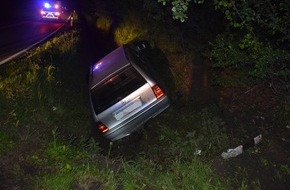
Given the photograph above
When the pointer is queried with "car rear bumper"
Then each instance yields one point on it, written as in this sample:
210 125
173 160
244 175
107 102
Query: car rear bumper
135 122
50 15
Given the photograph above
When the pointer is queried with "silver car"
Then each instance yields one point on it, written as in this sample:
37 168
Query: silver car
124 93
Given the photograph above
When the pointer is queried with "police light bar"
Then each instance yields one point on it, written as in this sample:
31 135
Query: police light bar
47 5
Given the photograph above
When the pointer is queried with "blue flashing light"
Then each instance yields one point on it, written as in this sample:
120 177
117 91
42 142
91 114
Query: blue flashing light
47 5
97 66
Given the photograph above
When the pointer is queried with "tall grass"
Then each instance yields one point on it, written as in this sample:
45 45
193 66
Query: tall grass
33 104
6 143
104 23
193 133
181 141
144 173
40 97
129 31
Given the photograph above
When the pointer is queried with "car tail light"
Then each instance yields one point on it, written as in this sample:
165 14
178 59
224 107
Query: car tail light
157 91
42 12
103 128
57 13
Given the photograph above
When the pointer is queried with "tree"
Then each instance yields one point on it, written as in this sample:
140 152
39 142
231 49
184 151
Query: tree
257 36
179 7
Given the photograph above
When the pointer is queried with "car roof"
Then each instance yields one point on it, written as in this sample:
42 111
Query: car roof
111 63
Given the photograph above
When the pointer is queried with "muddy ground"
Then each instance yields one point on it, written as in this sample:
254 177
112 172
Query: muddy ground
267 164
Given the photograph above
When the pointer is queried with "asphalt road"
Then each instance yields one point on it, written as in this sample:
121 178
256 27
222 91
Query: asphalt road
19 37
21 29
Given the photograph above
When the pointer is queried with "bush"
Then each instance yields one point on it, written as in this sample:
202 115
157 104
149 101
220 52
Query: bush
250 56
129 31
104 23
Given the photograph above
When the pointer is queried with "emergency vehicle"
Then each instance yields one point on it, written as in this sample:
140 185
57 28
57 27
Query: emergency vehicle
51 10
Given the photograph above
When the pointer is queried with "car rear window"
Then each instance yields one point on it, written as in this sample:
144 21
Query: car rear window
116 88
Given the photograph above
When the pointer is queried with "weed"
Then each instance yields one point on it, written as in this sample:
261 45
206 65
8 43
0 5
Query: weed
129 31
104 23
265 162
177 175
57 181
6 143
90 177
202 131
281 172
35 160
131 171
285 169
91 146
60 154
249 57
244 185
109 154
47 101
256 184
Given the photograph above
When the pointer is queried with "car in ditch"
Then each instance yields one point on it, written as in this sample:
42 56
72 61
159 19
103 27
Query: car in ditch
125 92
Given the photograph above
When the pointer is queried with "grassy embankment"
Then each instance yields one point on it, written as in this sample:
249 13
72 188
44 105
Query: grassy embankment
45 121
184 128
